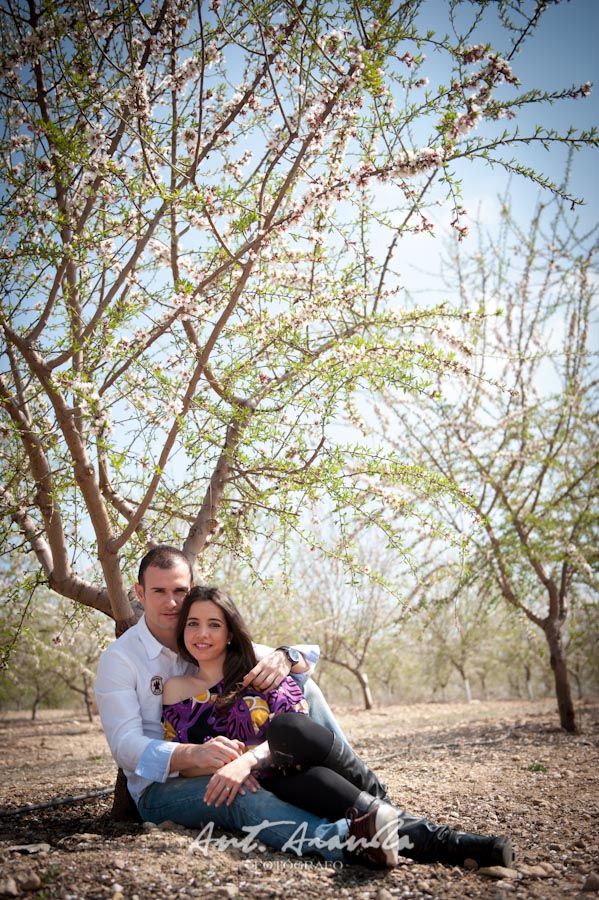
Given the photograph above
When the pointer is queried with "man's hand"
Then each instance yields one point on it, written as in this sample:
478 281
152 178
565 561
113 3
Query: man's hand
269 672
205 759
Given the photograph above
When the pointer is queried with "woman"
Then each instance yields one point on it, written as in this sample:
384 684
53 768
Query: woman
299 761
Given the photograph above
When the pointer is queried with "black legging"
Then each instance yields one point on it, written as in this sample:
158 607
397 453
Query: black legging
312 786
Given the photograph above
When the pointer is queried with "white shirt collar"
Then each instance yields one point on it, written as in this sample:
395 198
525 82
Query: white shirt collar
152 645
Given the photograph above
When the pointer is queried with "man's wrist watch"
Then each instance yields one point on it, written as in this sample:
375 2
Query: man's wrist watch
291 653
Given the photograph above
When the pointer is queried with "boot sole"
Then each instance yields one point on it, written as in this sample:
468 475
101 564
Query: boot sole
506 850
387 834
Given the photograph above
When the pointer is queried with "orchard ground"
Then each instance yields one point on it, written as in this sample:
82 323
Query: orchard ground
496 767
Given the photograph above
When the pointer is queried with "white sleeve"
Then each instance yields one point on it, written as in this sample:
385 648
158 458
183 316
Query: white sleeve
310 652
122 719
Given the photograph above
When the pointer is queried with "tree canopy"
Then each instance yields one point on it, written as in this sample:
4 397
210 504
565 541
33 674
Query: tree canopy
525 451
200 211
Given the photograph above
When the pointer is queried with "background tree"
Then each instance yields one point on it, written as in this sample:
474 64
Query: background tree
53 662
192 289
581 642
453 631
349 616
520 435
520 653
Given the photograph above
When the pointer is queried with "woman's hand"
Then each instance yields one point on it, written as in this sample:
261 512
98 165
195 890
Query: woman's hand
227 782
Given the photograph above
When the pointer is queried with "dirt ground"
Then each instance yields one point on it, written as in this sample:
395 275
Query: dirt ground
502 767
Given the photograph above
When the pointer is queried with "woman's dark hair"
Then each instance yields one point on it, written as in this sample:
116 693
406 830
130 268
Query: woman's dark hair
240 652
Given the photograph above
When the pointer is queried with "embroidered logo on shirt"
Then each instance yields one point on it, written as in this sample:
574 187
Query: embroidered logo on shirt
156 684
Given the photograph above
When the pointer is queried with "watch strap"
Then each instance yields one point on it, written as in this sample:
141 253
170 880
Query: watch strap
291 654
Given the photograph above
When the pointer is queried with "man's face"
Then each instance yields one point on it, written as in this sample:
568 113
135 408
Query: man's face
162 595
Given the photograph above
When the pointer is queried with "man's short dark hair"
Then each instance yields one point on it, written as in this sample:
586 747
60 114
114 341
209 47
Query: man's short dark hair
163 557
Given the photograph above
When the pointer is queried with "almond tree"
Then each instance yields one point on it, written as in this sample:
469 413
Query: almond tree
192 286
581 644
452 632
54 659
520 433
349 617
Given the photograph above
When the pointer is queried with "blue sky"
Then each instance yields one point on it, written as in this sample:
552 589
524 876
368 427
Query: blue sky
562 52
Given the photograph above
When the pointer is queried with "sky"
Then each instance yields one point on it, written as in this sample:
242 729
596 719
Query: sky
561 53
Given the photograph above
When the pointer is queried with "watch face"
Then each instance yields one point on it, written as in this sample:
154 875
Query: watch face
292 655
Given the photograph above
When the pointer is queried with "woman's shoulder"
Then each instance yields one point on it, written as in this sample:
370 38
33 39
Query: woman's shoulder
182 687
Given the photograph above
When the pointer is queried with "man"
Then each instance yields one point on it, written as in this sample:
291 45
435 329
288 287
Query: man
131 673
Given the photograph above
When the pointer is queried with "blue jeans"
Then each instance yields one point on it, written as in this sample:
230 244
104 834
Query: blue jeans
320 711
261 816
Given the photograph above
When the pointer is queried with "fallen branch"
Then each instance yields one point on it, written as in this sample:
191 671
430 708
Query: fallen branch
61 801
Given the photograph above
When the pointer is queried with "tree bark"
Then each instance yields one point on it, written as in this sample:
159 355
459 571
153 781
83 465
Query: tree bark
361 676
563 693
528 682
366 692
87 696
467 690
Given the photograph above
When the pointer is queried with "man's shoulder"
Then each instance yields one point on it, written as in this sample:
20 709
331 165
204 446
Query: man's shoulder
126 658
133 637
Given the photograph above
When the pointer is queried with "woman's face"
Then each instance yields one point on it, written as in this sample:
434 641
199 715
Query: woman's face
206 633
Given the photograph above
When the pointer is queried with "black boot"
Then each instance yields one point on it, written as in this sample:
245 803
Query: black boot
342 759
486 851
424 841
373 834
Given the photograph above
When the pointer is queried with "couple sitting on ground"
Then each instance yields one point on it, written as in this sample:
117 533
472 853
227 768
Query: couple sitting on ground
206 733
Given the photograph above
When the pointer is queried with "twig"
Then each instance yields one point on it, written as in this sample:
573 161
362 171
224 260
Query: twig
375 759
57 802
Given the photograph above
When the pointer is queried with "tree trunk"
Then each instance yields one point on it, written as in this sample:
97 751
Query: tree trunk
483 685
366 692
467 691
465 680
528 682
578 682
88 698
563 693
361 676
440 686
